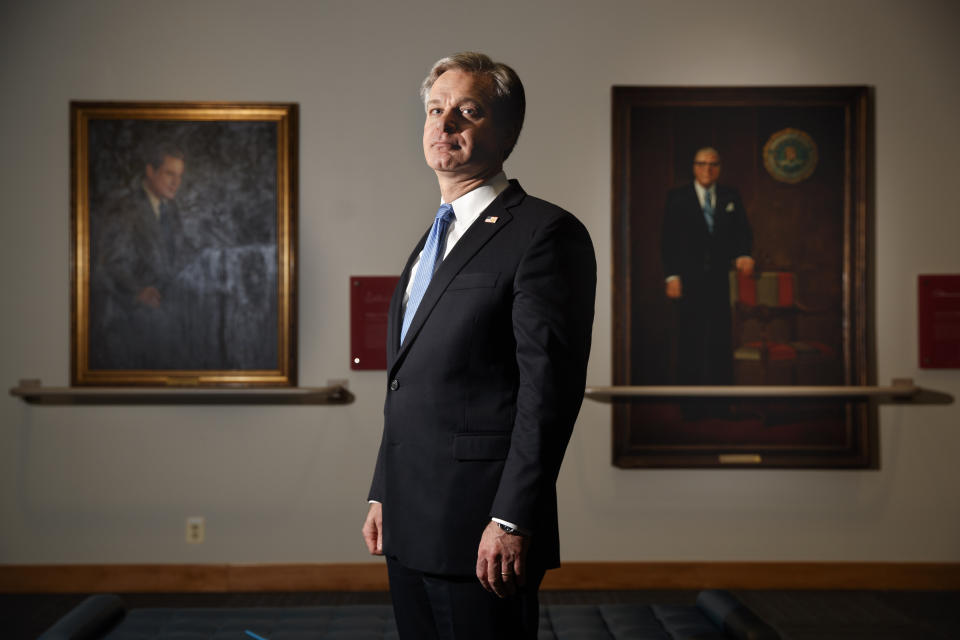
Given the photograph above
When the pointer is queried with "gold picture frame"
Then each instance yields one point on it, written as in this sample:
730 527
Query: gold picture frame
183 243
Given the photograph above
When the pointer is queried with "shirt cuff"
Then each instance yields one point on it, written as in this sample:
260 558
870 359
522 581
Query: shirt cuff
522 532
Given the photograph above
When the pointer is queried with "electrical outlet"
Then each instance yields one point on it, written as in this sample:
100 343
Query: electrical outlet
196 526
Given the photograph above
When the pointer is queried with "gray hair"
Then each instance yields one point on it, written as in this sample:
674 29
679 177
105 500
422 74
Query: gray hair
707 150
509 99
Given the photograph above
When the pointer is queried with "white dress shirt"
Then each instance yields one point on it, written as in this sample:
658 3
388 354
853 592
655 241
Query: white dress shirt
466 209
703 192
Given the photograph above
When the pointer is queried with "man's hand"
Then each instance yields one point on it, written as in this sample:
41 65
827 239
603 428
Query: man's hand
373 529
501 560
150 297
674 288
745 265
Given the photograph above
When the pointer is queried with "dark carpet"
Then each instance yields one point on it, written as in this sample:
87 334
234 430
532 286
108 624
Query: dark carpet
796 615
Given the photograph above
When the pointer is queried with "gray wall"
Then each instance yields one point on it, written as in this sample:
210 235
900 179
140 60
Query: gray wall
114 484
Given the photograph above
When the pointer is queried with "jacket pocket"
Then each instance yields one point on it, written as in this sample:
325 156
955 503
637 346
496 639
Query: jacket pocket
473 281
481 446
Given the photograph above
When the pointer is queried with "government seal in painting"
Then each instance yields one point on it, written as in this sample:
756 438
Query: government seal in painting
790 156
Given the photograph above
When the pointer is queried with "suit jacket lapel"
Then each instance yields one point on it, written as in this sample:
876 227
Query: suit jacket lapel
721 214
472 241
395 312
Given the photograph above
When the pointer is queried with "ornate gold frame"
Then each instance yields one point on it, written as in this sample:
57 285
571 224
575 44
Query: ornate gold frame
282 121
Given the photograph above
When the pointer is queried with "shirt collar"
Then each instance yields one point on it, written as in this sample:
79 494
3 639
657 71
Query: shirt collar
155 202
470 205
706 192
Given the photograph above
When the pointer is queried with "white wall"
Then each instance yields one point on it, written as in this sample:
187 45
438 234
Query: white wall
287 484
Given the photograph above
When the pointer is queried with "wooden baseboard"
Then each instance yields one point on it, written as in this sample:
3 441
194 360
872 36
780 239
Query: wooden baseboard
587 576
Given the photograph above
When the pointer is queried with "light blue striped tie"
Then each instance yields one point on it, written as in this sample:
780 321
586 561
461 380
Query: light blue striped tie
708 211
431 256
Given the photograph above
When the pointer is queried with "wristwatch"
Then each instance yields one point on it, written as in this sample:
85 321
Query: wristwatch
511 530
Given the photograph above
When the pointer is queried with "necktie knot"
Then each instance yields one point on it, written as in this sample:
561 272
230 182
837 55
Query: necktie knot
445 214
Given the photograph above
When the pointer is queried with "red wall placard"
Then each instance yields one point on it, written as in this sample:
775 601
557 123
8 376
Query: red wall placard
939 321
369 303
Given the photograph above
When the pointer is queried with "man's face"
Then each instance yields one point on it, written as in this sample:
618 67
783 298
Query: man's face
459 134
706 168
164 181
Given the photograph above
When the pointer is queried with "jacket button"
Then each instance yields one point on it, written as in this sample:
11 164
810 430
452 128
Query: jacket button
394 385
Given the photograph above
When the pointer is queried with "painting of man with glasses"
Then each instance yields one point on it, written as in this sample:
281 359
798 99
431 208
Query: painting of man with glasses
705 234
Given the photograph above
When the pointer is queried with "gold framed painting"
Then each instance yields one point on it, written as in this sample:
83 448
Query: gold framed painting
183 243
760 277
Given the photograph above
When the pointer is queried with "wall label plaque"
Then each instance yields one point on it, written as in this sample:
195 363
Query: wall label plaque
369 305
939 321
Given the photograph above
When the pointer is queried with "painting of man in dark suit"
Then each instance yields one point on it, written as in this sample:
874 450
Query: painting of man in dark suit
705 233
743 281
183 243
139 248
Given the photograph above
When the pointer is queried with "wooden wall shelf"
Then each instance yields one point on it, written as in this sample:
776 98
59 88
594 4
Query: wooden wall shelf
31 391
901 390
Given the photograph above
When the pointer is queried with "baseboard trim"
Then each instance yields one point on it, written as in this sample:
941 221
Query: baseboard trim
587 576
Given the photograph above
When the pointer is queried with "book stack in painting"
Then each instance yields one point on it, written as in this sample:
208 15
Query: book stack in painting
765 289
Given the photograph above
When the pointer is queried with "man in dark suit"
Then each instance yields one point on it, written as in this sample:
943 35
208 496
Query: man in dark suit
705 233
486 373
138 248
